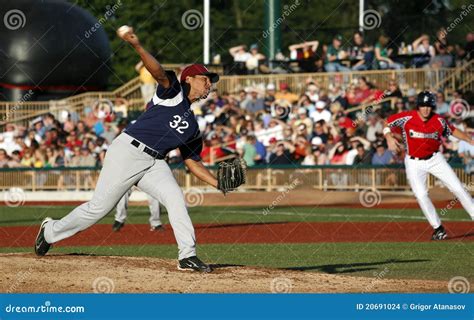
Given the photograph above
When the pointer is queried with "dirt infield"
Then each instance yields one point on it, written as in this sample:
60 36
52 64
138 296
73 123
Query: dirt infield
280 232
60 273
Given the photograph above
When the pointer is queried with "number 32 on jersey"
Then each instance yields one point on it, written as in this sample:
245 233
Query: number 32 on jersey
179 124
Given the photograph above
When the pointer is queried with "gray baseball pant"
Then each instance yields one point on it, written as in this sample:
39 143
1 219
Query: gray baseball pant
153 204
125 166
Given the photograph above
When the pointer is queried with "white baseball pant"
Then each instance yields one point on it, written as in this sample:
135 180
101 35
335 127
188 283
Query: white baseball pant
417 172
125 166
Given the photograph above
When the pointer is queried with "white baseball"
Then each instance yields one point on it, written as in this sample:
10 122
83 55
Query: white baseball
123 30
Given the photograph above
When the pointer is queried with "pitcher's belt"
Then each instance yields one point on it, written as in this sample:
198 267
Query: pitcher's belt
155 154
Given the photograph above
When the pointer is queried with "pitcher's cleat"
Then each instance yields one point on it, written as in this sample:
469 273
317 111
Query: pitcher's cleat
41 246
193 264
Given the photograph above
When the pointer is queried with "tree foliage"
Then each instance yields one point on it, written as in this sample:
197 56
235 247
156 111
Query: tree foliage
159 25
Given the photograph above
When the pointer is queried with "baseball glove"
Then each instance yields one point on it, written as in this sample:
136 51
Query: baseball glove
231 174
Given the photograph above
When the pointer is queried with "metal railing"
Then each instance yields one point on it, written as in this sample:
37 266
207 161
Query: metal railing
369 107
440 78
462 78
264 178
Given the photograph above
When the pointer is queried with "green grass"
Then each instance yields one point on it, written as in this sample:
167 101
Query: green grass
428 260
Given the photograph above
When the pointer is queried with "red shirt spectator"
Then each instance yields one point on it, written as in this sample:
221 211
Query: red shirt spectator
51 137
213 151
217 153
345 122
72 141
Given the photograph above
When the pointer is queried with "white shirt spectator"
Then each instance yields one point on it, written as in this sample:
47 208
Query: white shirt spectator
99 149
8 136
10 147
8 144
242 56
264 135
239 144
312 93
466 148
442 108
372 130
309 160
320 113
351 156
422 49
37 138
202 123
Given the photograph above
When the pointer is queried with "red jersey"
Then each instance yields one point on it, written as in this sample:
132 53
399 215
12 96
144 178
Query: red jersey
74 143
421 138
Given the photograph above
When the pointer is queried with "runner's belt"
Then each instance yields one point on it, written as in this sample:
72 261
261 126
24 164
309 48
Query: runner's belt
424 158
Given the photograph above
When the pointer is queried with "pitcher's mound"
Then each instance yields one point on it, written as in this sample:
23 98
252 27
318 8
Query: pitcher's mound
84 273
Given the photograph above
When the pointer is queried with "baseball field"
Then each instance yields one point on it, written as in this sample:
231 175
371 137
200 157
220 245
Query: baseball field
286 249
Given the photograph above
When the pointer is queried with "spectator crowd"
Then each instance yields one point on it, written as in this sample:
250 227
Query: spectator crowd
265 124
355 54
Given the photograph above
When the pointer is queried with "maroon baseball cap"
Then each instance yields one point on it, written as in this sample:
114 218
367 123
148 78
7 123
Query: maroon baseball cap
198 69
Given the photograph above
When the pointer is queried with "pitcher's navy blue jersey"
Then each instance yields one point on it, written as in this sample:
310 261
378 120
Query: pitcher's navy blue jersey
169 123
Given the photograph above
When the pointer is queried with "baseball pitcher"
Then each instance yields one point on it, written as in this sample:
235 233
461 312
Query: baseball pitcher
136 157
